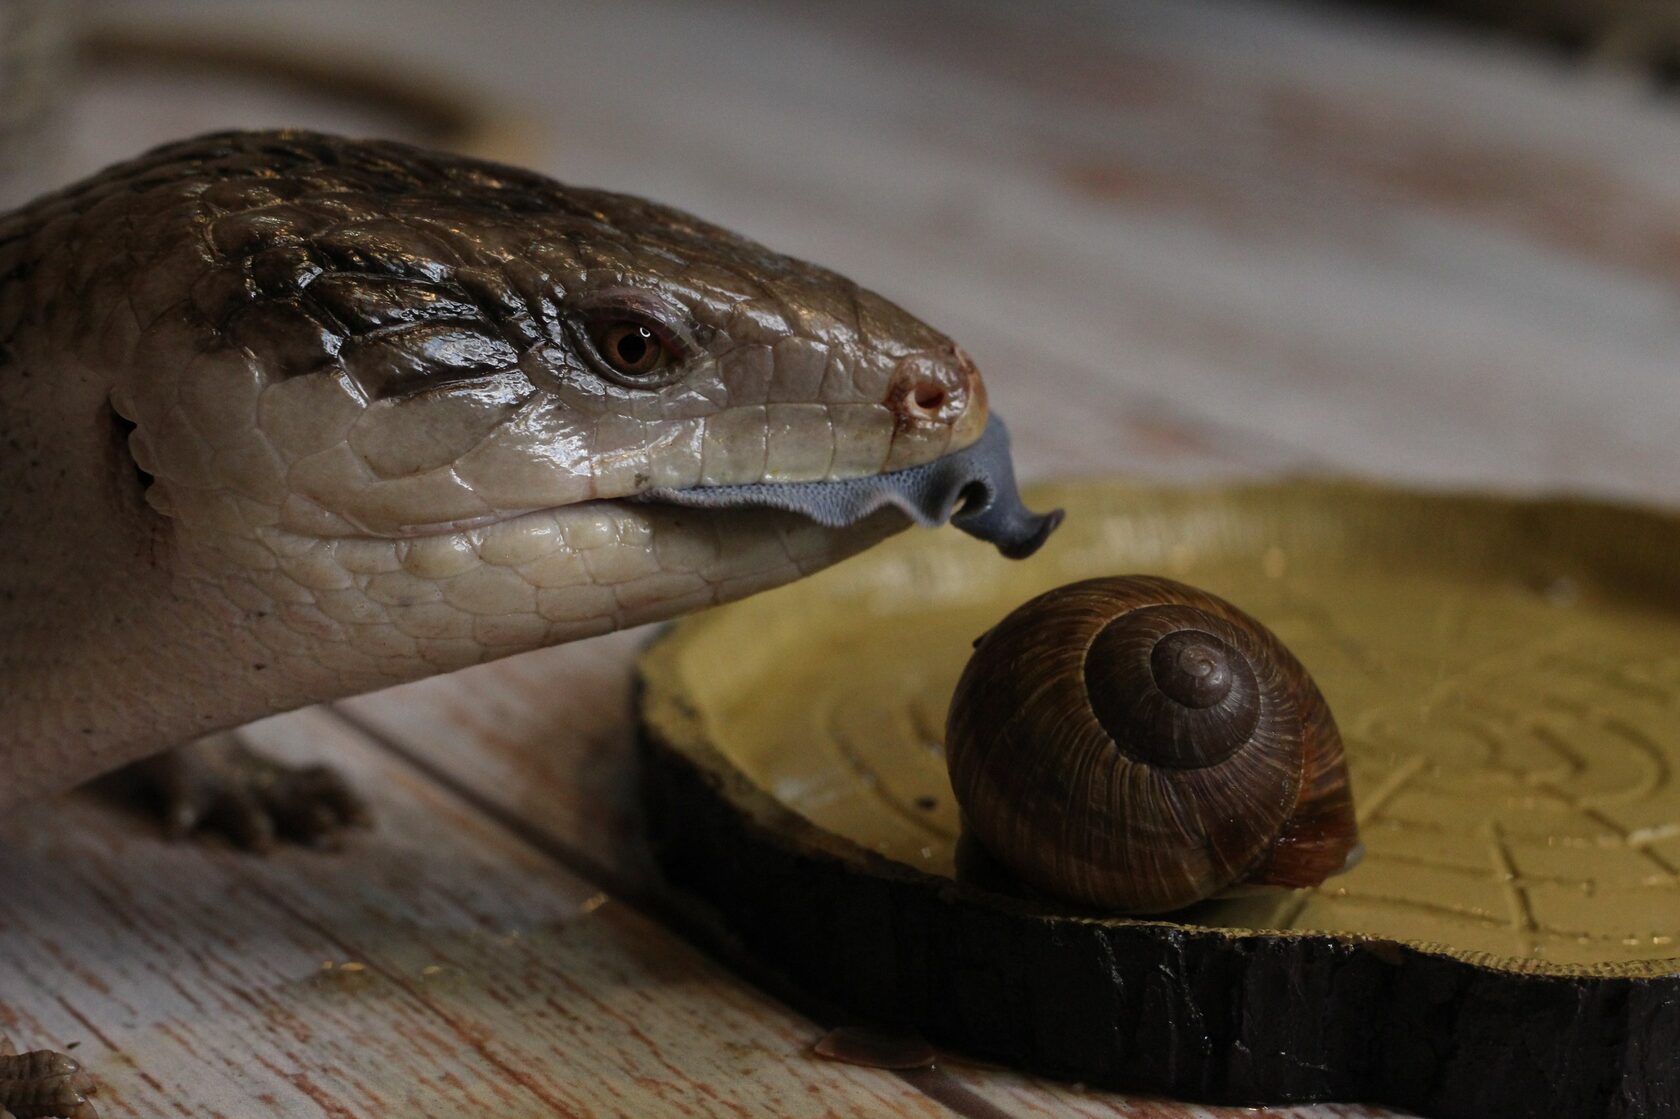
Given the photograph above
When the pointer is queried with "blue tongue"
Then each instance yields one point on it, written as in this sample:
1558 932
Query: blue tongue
973 488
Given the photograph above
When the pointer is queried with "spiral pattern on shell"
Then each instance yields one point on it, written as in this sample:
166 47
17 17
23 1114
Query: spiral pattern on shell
1137 744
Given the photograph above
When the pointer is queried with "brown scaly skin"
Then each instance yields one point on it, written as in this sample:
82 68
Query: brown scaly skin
286 417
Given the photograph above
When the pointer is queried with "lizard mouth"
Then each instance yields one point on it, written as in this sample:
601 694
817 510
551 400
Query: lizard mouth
974 489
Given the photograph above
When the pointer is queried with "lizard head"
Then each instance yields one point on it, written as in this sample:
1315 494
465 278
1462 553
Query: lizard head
415 404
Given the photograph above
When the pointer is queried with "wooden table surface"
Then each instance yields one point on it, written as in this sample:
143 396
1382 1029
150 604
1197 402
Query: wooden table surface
1182 240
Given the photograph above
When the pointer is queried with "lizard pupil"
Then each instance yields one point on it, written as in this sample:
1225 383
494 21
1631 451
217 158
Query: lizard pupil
631 348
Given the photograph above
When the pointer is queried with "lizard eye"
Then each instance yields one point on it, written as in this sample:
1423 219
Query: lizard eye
635 339
631 349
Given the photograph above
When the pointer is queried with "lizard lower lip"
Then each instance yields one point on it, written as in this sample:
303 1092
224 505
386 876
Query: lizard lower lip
442 528
973 488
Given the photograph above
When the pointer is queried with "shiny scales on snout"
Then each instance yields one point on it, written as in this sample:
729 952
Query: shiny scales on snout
323 415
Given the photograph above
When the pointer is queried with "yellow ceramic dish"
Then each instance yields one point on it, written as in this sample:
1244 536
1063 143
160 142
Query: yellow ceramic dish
1506 675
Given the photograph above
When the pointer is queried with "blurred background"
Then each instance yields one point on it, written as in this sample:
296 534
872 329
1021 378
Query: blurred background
1436 241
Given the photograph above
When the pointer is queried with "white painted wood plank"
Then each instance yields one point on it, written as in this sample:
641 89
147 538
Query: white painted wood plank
436 967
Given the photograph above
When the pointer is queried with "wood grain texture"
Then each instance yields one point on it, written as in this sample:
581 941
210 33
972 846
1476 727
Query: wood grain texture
438 967
1182 240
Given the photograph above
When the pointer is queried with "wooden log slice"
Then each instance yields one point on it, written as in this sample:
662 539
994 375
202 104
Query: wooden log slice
1507 677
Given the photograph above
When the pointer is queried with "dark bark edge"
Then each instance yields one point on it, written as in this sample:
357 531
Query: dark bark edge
1249 1019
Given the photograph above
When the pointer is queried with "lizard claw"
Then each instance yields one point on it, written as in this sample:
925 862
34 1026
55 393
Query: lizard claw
43 1085
218 784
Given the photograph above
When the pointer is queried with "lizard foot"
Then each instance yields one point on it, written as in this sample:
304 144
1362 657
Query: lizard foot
218 784
43 1084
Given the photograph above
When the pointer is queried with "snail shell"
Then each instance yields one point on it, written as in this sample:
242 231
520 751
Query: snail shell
1137 744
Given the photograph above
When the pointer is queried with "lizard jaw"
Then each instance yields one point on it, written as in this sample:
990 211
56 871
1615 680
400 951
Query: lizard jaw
974 489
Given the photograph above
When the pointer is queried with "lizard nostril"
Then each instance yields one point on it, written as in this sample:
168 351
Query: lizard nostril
925 400
926 390
927 396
